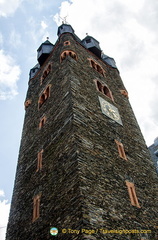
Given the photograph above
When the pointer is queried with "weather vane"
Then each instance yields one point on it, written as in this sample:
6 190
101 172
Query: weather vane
64 21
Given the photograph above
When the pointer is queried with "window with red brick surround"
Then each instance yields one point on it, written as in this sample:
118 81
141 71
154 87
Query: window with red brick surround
132 194
39 160
27 103
36 207
96 66
44 96
46 72
103 89
68 53
42 122
121 150
66 43
124 92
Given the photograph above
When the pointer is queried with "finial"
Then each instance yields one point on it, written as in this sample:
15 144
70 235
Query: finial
86 34
64 21
47 38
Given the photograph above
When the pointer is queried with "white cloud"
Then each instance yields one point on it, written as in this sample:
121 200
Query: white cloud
9 75
43 24
1 193
15 39
126 31
8 7
4 213
1 39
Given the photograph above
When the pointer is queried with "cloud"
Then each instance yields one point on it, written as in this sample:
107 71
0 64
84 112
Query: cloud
8 7
15 39
1 193
9 75
43 24
127 32
4 213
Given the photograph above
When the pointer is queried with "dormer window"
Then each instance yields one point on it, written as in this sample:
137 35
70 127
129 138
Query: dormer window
68 53
88 40
103 89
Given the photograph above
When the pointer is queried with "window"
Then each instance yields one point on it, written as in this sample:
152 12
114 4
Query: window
103 89
44 96
66 43
88 40
96 66
36 207
42 122
39 160
121 150
132 194
46 72
66 54
27 103
124 92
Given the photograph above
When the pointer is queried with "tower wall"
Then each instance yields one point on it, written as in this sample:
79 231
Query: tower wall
82 180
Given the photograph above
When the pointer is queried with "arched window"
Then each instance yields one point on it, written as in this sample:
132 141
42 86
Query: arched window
99 86
44 96
103 89
96 66
46 72
68 53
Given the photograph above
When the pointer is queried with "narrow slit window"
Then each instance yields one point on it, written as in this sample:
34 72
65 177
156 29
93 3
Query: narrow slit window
121 150
132 194
42 122
36 207
39 160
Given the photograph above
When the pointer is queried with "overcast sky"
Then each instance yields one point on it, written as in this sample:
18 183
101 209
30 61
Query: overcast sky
127 31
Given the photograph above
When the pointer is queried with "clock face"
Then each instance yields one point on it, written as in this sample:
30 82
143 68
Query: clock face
110 110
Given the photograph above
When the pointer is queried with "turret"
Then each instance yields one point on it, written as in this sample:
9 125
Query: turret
43 51
93 45
110 61
65 28
34 70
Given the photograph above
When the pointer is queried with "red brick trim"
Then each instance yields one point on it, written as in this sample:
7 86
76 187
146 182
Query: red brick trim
132 194
36 207
27 103
66 53
39 160
44 96
121 149
46 72
42 122
104 89
67 43
124 92
96 66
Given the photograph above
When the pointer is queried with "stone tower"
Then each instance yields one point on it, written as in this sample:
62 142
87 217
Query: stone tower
83 166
